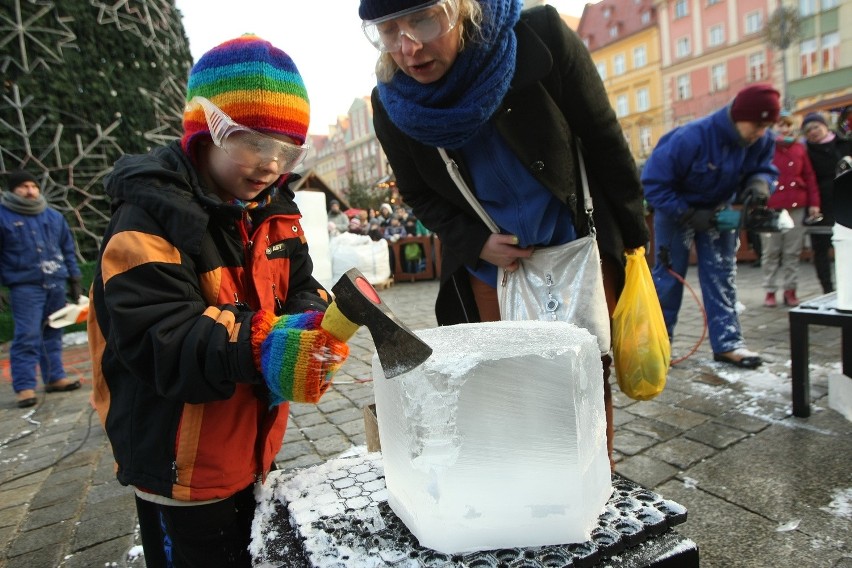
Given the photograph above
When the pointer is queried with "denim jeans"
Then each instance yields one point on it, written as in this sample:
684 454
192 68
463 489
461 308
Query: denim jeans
34 342
717 269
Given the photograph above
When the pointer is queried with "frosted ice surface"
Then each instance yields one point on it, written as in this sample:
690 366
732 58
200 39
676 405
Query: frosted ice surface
499 439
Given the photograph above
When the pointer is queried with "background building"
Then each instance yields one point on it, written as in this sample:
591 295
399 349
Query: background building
623 39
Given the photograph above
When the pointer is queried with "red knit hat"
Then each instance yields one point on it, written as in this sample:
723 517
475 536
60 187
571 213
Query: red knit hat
757 103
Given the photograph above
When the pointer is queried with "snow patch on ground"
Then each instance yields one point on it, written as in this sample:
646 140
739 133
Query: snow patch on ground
841 503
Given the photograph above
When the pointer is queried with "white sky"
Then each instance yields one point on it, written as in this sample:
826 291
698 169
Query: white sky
323 37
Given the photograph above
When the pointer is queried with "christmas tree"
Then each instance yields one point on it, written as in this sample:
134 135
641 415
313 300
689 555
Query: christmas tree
85 81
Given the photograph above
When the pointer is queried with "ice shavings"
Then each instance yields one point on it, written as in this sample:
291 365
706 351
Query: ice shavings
841 503
790 525
316 498
765 393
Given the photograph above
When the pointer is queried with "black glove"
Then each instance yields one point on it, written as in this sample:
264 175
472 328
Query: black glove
756 192
74 289
699 219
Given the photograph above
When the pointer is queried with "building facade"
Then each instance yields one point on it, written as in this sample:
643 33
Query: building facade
710 50
623 39
819 61
350 153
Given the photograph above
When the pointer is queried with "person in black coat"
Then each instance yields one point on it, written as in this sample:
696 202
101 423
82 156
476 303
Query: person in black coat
508 95
825 149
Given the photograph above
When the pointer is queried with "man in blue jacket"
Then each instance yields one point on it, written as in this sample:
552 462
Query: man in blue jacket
696 171
36 260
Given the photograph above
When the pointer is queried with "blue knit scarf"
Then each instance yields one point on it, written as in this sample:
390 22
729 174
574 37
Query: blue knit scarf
448 112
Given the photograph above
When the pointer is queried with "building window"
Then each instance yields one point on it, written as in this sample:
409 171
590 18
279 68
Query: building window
828 4
645 139
807 57
586 42
682 47
618 65
643 100
622 106
646 17
807 7
757 67
712 2
601 70
718 77
681 9
684 88
607 12
830 51
753 22
640 57
716 36
613 31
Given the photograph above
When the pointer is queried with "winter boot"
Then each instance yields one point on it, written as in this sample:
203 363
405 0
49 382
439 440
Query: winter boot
790 298
770 302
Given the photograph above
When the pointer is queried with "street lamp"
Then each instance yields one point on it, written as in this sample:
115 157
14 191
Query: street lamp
782 30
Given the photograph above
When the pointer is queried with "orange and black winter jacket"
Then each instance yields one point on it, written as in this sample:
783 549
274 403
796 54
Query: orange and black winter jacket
178 279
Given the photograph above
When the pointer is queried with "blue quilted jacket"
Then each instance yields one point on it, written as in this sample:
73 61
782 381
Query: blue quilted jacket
35 249
703 164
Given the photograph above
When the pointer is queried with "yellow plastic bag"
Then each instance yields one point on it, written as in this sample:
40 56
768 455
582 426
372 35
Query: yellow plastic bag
641 347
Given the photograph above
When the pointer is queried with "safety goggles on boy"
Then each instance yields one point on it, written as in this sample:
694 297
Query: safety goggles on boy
246 147
420 24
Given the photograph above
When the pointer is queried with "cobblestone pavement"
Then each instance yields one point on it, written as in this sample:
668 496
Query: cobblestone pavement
763 489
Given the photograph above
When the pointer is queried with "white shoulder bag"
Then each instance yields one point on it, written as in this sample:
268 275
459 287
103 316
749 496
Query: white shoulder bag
559 283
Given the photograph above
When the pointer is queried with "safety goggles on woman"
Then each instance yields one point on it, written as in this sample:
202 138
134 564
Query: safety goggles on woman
420 24
246 147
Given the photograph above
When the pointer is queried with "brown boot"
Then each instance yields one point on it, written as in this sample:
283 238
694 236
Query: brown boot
26 398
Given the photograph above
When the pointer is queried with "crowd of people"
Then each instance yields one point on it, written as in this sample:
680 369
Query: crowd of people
386 222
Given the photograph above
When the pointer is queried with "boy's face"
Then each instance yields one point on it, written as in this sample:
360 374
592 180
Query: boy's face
231 180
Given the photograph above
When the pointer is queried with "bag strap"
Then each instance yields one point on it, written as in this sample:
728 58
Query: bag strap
455 175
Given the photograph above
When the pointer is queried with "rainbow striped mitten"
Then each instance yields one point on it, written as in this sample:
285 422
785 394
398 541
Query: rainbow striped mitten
296 356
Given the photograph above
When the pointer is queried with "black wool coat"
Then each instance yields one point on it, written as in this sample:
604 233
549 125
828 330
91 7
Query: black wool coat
555 97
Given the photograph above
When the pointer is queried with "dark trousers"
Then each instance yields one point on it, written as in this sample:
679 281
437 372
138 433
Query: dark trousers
217 534
821 245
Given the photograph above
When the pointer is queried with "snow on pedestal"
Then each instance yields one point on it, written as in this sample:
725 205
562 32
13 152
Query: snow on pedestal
499 439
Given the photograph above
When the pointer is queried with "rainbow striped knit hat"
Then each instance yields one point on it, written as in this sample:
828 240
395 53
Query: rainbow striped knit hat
254 83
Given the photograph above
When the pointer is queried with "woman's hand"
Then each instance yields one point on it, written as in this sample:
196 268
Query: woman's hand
503 251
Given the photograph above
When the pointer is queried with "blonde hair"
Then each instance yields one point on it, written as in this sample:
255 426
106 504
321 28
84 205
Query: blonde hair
469 27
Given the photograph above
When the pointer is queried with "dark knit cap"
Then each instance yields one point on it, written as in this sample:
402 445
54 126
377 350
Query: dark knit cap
16 178
375 9
757 103
814 117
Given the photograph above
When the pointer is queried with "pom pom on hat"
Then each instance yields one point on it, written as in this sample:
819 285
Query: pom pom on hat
756 103
254 83
375 9
16 178
814 117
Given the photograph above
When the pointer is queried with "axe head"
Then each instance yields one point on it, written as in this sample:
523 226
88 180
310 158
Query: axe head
399 350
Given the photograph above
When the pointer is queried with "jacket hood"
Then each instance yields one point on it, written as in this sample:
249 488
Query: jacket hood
164 183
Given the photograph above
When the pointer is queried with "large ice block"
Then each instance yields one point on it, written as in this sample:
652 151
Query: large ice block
499 439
